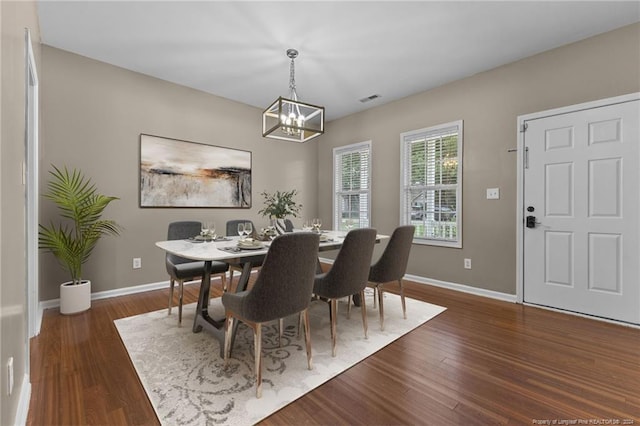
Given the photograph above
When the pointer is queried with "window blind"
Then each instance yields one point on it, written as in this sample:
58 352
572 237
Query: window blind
431 188
352 186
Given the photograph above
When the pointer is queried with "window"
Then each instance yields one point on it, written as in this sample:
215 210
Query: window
431 192
352 186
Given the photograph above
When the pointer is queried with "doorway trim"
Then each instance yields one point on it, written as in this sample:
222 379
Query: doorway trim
521 157
30 176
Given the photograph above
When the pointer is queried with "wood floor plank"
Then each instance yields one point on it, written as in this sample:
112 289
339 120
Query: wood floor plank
480 362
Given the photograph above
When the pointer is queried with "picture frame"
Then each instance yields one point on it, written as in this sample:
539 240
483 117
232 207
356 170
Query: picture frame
179 173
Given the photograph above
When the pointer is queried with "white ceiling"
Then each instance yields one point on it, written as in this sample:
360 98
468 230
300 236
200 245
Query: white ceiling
348 50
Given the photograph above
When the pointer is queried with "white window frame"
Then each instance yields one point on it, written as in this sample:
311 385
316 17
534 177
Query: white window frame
405 185
337 184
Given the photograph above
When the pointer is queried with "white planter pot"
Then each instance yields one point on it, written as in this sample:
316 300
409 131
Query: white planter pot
75 298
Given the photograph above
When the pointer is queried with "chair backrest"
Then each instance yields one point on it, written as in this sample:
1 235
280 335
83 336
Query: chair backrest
181 230
288 225
392 265
285 282
350 270
232 226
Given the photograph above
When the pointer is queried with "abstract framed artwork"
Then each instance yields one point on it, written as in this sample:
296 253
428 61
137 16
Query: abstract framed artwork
177 173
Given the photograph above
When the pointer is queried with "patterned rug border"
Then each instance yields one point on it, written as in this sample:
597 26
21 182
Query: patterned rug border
191 387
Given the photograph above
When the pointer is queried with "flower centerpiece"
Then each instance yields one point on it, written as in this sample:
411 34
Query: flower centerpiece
278 206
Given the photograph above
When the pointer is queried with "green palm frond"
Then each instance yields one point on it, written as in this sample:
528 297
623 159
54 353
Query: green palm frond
81 206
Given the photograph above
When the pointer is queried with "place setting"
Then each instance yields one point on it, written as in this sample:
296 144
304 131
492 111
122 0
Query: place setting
207 234
245 242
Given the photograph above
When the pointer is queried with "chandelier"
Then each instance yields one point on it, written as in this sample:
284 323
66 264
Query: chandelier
289 119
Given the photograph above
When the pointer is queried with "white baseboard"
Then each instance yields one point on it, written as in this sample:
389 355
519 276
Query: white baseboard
453 286
55 303
464 288
23 401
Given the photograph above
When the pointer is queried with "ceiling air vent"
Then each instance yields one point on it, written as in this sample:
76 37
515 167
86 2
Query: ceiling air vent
369 98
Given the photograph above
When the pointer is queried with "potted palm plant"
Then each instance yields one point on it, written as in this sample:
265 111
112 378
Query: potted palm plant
278 206
73 239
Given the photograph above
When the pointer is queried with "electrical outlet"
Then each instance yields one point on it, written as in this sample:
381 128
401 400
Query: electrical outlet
137 263
493 193
10 376
467 264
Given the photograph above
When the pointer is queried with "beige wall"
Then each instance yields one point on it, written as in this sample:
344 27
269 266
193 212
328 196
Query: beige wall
14 18
92 116
489 103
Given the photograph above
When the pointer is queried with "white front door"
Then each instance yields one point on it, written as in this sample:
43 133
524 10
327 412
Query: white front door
581 211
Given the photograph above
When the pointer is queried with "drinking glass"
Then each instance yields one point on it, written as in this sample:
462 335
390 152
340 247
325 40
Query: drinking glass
241 230
248 228
317 224
307 225
212 229
349 225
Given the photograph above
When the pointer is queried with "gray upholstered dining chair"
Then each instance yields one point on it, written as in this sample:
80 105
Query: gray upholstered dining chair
288 225
347 276
283 288
391 267
232 231
181 269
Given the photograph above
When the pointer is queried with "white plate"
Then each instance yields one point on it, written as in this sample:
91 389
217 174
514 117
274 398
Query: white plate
254 245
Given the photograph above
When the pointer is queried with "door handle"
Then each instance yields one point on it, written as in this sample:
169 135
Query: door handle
531 222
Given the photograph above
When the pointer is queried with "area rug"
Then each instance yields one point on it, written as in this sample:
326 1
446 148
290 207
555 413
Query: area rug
186 380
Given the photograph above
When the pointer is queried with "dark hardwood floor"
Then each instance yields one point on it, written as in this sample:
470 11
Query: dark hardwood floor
480 362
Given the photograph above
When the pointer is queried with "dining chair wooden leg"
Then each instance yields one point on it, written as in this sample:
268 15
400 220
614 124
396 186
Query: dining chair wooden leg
349 307
228 327
300 323
333 307
363 306
404 305
257 333
172 282
180 294
381 305
375 290
223 278
230 285
307 337
280 328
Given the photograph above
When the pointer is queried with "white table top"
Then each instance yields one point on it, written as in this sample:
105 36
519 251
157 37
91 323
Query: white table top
211 250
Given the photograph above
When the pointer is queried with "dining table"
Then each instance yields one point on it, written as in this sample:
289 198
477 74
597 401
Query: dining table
232 251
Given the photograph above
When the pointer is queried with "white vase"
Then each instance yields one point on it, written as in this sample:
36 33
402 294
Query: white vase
75 298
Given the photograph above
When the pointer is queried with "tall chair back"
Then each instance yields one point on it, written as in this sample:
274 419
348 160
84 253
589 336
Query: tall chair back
283 287
178 231
181 269
347 276
391 267
392 264
350 270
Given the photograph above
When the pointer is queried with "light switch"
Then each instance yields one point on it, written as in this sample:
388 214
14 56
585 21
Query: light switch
493 193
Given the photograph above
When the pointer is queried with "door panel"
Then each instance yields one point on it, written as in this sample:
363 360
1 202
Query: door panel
582 182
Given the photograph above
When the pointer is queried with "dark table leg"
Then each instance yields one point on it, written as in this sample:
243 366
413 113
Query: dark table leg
243 282
202 318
